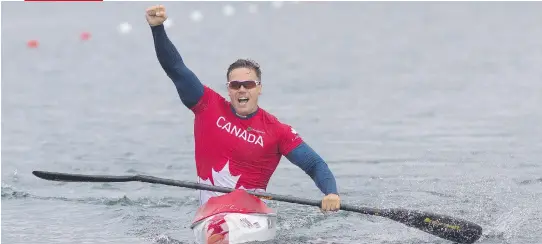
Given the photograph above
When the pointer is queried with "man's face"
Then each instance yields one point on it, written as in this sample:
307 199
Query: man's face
244 88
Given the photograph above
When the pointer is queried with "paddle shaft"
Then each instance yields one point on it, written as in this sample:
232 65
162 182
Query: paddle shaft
446 227
186 184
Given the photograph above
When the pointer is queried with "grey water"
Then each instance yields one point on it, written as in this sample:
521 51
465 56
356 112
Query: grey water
431 106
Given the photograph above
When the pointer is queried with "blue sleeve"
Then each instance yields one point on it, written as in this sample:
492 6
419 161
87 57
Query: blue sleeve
188 85
309 161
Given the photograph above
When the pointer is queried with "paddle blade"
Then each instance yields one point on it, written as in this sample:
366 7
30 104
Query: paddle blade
446 227
55 176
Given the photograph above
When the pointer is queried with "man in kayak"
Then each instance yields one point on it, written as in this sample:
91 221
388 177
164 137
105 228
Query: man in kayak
237 143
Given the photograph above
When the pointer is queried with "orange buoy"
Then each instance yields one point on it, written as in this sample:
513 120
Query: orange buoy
85 36
32 44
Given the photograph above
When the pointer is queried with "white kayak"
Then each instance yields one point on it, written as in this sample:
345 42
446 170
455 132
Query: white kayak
236 217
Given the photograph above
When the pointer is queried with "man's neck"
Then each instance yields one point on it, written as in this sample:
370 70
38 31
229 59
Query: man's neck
248 116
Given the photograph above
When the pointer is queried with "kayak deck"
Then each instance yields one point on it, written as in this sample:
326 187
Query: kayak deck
236 217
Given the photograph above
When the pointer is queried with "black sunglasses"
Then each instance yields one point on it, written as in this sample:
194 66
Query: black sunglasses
248 84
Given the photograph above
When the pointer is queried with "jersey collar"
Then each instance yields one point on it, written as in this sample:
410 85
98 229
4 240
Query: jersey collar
244 117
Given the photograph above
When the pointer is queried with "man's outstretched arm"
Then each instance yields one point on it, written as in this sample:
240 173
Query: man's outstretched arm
188 85
309 161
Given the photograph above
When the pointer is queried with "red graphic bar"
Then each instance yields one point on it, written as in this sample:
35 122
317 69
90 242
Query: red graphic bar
63 0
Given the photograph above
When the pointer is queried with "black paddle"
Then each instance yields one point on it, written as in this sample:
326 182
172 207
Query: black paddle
443 226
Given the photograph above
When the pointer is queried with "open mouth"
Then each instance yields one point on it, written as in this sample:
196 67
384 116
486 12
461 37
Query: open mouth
243 100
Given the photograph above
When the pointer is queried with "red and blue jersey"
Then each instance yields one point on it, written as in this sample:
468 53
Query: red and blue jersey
231 151
237 152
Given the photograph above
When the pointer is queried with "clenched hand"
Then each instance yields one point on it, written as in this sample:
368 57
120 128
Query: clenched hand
156 15
331 202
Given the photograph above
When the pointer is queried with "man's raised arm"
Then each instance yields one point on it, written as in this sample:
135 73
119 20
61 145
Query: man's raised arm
188 85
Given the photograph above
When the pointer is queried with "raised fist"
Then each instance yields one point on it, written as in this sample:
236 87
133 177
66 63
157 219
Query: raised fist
156 15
